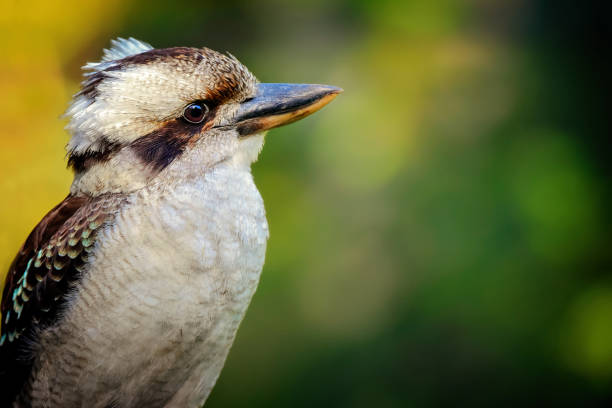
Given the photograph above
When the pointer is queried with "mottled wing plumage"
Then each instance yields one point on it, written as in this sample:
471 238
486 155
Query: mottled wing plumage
53 256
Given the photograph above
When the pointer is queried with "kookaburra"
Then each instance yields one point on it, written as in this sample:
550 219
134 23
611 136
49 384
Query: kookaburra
130 291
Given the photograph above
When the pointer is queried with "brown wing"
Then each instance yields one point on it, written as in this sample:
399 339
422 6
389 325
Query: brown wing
52 257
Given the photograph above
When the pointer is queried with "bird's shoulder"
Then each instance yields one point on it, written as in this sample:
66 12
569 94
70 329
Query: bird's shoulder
39 278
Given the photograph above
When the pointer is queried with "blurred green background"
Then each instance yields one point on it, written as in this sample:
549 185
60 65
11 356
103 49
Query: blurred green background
439 233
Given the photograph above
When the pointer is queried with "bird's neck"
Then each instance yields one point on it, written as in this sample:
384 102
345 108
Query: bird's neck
124 172
121 173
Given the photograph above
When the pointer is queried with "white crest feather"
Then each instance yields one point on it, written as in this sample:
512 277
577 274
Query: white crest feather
120 48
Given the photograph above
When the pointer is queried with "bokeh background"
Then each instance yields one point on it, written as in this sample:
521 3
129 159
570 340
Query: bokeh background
439 233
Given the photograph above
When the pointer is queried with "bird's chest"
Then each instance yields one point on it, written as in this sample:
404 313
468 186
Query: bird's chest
168 286
197 251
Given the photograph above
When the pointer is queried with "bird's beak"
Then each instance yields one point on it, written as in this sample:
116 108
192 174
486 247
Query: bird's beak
279 104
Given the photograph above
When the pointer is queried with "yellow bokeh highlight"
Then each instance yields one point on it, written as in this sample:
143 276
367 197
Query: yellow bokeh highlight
40 41
585 339
394 92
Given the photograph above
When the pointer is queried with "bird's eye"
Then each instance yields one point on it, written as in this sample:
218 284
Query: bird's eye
195 112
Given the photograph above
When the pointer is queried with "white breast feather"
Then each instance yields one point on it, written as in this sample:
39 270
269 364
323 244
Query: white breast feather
173 276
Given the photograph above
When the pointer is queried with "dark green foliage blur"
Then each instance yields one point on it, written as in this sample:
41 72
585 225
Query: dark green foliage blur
440 233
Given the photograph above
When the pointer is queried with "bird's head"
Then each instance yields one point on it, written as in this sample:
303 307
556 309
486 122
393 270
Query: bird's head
143 111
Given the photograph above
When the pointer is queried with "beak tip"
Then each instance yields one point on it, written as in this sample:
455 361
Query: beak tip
329 92
335 90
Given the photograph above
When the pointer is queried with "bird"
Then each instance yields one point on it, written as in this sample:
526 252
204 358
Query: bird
130 291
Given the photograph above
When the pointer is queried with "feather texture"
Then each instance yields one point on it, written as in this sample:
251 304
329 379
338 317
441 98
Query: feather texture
120 48
39 279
